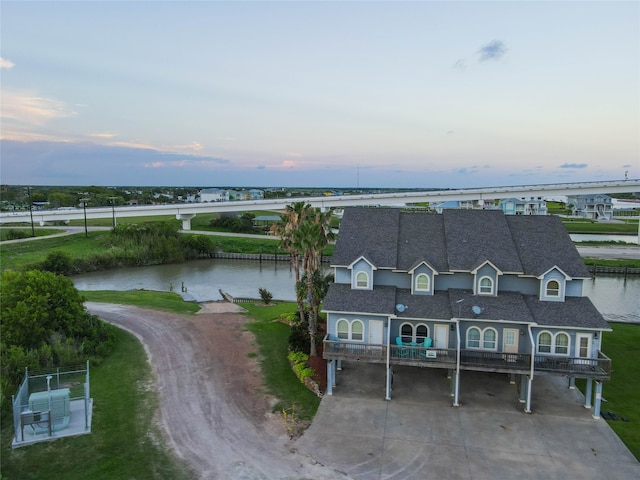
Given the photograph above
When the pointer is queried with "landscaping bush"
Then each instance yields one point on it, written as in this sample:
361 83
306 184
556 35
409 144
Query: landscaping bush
265 295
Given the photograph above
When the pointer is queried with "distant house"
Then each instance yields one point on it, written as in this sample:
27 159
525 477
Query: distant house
597 206
463 291
252 194
214 195
483 204
521 206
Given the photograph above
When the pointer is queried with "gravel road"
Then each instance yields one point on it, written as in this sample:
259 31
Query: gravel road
214 412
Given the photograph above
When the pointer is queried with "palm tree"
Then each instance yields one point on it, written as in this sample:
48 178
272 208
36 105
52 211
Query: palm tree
293 216
312 236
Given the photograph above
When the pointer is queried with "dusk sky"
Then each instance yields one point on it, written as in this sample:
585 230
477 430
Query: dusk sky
418 94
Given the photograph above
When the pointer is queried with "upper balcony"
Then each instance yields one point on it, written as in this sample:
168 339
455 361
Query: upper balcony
478 360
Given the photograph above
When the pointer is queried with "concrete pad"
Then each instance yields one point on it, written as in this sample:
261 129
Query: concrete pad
420 435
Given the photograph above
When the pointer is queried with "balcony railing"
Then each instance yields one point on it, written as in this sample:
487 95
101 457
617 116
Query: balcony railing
480 360
494 361
599 368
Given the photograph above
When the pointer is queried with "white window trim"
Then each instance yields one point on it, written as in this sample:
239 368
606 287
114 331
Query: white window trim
355 283
480 292
479 347
414 331
553 344
350 330
482 333
418 289
546 289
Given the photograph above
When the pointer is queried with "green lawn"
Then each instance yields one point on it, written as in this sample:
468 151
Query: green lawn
124 443
5 232
582 225
169 302
272 337
17 255
623 390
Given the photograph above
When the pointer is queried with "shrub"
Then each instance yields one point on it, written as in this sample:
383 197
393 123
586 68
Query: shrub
265 295
58 262
299 340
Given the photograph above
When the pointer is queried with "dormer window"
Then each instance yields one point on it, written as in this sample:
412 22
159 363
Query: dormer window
362 280
485 287
553 288
422 283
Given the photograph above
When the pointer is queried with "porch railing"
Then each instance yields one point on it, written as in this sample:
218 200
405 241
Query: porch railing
481 360
599 368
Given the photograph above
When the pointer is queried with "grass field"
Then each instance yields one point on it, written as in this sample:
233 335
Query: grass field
124 443
272 337
622 392
16 255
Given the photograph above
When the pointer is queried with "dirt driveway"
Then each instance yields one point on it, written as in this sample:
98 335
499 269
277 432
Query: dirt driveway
213 409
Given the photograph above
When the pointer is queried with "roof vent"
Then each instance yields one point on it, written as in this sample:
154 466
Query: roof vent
477 310
401 308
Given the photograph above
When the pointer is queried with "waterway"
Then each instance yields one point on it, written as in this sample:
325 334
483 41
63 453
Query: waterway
617 298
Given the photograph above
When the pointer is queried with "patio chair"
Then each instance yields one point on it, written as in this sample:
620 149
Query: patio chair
401 349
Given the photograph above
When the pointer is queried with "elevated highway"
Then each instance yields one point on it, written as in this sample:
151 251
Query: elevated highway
186 211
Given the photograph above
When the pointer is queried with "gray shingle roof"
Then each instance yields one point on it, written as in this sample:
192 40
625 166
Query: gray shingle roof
368 231
457 240
542 242
475 236
576 312
424 306
508 306
421 238
341 298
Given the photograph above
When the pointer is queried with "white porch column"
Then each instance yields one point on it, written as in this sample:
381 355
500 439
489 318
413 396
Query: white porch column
527 408
330 377
596 407
572 383
587 394
186 219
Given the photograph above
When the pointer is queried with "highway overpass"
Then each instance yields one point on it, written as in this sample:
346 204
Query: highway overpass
186 211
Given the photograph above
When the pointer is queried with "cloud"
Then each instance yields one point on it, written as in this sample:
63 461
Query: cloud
4 63
30 108
574 165
494 50
260 167
102 135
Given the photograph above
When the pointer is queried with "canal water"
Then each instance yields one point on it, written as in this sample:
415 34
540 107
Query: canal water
617 298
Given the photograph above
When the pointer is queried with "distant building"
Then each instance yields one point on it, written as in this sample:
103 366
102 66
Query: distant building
214 195
520 206
252 194
596 206
483 204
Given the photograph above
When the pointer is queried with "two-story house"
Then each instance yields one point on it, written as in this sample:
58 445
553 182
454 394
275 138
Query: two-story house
521 206
465 290
596 206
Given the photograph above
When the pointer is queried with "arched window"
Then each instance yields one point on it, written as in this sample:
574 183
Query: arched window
406 332
544 342
342 328
553 288
422 282
357 330
353 330
489 339
473 337
562 344
422 332
486 286
362 280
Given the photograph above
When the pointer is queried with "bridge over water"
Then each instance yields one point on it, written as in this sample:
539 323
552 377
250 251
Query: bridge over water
186 211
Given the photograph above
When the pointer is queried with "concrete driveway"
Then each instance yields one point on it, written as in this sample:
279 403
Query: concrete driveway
419 435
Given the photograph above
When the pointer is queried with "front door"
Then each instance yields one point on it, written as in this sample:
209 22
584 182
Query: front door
583 345
441 336
375 332
510 340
